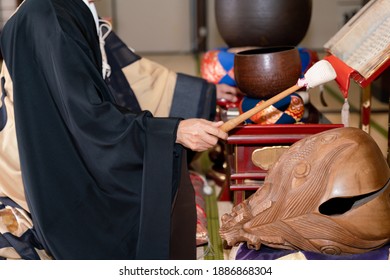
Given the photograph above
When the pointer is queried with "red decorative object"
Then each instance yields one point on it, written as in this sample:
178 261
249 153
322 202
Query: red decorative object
286 111
216 66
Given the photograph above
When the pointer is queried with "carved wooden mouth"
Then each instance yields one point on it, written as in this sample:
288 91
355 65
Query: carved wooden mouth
341 205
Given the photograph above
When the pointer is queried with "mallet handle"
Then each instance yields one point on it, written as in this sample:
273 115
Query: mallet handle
230 124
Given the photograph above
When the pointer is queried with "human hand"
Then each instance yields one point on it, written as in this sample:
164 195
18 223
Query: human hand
226 92
199 134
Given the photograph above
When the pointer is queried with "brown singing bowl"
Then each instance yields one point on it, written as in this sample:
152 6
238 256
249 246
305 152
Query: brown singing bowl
265 72
263 23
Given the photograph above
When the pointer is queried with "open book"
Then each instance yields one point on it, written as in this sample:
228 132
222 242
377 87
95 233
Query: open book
362 45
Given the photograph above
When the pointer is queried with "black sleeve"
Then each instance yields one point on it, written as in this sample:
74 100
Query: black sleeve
194 97
94 187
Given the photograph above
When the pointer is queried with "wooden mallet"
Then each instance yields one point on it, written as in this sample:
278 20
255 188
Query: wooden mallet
320 73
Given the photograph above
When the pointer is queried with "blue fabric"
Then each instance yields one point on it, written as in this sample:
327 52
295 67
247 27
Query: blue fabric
228 80
226 59
24 245
305 58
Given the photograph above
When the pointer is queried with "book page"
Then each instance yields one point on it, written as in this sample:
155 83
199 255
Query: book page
363 43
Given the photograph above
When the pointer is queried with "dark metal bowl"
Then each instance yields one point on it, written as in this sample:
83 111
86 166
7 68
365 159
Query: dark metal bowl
263 23
265 72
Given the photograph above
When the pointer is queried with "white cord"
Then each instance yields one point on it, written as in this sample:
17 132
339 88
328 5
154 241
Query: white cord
345 113
104 30
101 24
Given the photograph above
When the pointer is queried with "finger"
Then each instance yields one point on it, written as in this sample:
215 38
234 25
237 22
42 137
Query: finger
218 123
202 143
215 131
207 141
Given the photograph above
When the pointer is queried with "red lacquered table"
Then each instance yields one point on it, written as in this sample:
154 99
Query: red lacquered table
244 176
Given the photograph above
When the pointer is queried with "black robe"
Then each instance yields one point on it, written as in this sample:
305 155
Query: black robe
100 181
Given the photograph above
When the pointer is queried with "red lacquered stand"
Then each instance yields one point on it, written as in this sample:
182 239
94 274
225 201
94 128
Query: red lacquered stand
345 74
360 51
243 176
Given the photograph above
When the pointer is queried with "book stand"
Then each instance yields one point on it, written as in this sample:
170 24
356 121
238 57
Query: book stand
360 51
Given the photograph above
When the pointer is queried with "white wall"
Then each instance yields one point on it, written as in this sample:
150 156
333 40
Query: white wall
214 38
327 19
7 8
167 25
105 7
155 26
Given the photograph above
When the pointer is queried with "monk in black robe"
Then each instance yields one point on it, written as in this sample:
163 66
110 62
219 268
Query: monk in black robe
86 171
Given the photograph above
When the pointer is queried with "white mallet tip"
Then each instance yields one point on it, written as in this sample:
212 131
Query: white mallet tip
320 73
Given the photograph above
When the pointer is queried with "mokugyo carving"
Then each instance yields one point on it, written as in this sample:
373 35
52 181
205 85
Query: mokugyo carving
327 193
